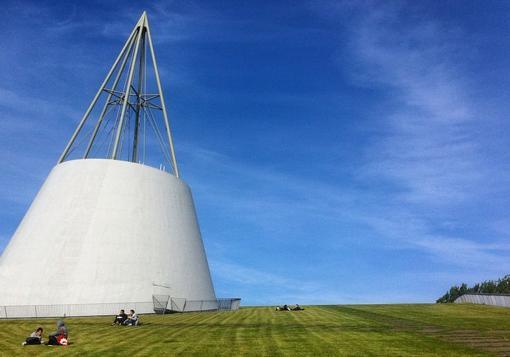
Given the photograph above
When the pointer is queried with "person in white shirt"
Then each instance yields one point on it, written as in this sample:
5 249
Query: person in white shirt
35 337
132 319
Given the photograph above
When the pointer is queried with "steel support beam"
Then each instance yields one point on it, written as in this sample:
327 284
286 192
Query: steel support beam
134 156
93 103
163 106
107 103
140 26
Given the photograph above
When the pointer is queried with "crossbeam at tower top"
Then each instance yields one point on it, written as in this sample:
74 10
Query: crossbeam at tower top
123 113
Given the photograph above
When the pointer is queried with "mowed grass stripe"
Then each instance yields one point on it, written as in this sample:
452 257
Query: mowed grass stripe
205 337
186 333
226 337
320 326
253 336
445 317
381 330
392 334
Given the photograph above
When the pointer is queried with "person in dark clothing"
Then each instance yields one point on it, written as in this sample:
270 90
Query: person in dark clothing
120 318
35 337
60 336
283 308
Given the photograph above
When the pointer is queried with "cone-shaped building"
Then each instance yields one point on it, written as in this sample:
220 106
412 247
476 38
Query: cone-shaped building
110 227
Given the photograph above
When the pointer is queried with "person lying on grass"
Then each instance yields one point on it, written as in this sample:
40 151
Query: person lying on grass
132 319
288 308
60 336
35 337
283 308
120 318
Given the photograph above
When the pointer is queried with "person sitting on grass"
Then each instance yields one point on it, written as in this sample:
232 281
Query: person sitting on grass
297 308
60 336
35 337
132 319
120 318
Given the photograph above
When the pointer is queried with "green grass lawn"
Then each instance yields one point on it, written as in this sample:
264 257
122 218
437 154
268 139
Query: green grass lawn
357 330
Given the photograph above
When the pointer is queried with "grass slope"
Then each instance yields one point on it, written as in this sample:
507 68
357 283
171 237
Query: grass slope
359 330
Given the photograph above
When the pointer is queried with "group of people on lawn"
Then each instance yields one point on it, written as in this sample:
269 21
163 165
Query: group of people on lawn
288 308
126 320
60 337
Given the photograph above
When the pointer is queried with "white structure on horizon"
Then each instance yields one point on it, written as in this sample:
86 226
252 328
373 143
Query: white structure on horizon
106 228
485 299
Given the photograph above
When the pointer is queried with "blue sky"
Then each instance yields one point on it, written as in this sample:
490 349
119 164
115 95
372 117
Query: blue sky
338 152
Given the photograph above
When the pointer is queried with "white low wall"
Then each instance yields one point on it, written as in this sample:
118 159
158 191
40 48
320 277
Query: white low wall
485 299
160 304
36 311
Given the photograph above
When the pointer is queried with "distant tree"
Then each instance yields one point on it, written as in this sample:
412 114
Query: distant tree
501 286
443 299
463 289
488 286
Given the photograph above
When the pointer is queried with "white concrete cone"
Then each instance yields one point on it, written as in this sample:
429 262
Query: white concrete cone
106 231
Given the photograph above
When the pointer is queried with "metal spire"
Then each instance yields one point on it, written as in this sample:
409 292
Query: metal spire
131 99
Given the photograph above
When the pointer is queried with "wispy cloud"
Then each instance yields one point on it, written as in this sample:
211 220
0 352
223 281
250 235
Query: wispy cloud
28 127
284 289
283 202
426 147
430 146
425 143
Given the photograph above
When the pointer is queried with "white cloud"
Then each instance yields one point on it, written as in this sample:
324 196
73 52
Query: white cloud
274 202
428 147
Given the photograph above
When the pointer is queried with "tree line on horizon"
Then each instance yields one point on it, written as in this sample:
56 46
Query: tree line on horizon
500 286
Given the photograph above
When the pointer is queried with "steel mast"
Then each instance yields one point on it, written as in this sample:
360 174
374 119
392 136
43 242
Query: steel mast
131 98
